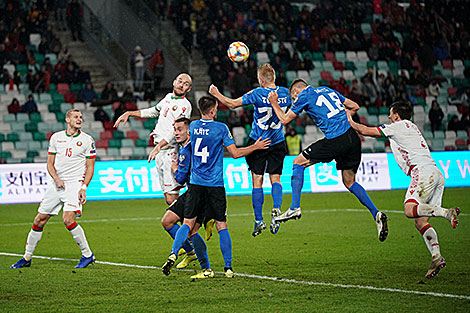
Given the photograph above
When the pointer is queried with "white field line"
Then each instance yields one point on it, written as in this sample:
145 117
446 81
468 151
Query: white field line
130 219
285 280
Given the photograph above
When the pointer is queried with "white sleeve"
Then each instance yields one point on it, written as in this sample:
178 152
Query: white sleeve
150 112
387 130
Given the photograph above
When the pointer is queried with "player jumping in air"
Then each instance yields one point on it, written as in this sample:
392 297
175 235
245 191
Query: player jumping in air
328 109
206 192
424 196
70 164
265 125
165 152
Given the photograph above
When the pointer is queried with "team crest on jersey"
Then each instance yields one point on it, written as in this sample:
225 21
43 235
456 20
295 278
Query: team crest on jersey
230 135
182 157
79 143
175 107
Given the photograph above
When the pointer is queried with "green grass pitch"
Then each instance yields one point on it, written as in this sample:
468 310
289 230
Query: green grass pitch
329 244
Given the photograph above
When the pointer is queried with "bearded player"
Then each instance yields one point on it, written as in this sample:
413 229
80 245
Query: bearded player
171 107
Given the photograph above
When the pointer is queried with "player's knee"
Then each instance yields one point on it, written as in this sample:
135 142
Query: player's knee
40 220
68 220
166 222
409 210
348 181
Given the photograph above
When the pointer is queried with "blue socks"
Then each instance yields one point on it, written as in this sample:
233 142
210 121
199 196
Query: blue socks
226 247
361 194
180 237
201 250
297 182
257 198
277 195
172 231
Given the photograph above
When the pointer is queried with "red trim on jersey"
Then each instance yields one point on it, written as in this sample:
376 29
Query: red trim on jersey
91 157
381 132
36 228
425 228
52 153
410 169
72 226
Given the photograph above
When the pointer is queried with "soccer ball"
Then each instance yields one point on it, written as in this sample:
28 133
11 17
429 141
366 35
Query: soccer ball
238 52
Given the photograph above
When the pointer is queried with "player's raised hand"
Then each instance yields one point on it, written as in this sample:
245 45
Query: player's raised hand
213 90
154 153
123 118
262 144
272 97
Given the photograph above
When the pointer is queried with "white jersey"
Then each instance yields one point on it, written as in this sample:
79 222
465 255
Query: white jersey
170 108
407 144
71 153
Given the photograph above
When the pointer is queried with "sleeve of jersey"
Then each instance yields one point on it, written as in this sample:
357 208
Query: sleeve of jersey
298 105
90 152
249 98
386 130
52 147
340 96
228 138
182 173
149 113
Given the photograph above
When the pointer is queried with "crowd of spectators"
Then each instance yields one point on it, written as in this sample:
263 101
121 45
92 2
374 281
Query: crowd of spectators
429 33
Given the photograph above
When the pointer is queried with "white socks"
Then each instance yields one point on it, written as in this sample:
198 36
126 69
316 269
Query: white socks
430 239
429 211
35 234
79 236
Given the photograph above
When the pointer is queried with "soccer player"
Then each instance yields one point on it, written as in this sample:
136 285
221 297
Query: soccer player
327 108
424 196
70 164
165 152
174 213
265 125
206 192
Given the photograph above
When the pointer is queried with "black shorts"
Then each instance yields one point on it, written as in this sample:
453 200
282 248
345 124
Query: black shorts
209 202
177 207
268 161
345 150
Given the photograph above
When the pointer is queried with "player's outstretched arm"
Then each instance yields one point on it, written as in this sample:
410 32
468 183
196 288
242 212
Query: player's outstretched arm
363 129
241 152
51 169
157 149
124 117
90 169
231 103
351 106
285 118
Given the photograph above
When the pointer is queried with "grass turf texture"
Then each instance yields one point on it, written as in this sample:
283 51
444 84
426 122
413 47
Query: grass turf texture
333 247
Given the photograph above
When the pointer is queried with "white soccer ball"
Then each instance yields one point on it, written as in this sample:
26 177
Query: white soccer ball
238 52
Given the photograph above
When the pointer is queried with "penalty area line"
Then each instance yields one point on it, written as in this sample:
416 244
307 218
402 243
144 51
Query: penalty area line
277 279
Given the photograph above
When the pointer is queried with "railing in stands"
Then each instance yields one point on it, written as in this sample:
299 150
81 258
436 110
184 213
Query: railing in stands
167 35
106 39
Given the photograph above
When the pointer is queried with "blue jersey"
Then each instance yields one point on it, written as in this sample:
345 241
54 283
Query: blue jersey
325 107
208 139
184 164
265 122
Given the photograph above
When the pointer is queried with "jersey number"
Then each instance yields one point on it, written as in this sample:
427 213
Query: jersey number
334 97
68 152
203 153
269 114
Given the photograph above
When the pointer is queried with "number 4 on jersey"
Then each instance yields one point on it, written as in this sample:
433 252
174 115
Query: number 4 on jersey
203 153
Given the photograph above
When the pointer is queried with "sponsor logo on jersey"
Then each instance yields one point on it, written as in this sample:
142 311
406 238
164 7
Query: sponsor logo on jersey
382 126
230 135
79 143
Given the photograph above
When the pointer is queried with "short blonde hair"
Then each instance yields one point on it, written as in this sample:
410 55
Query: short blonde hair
69 112
266 71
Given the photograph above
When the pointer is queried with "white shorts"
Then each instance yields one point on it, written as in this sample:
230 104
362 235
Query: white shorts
54 199
426 186
163 160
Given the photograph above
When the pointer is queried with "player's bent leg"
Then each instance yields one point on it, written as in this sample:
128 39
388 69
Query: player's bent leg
201 250
34 236
180 237
169 223
225 246
257 199
414 209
